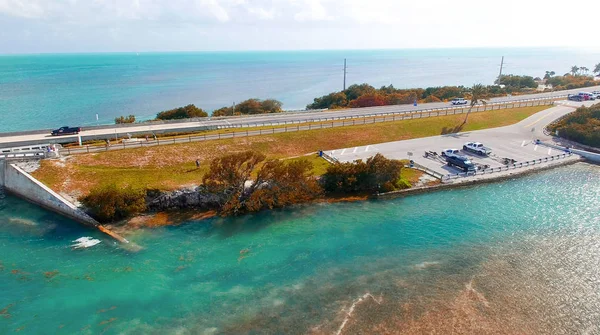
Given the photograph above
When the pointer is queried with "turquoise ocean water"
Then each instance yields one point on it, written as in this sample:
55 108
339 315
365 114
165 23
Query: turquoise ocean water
47 91
520 256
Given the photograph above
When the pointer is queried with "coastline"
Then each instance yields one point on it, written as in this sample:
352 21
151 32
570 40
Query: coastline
177 217
471 182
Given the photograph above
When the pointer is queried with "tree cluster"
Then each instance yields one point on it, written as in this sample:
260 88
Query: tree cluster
365 95
569 82
251 106
517 82
111 203
582 126
125 119
376 174
186 112
250 183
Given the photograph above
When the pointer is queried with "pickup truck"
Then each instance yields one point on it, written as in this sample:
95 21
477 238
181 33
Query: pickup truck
478 148
461 162
451 153
66 131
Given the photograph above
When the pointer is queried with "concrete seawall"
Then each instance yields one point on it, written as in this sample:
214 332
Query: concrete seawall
588 155
20 183
2 163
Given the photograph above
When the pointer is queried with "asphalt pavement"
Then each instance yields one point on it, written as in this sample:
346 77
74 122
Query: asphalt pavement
515 142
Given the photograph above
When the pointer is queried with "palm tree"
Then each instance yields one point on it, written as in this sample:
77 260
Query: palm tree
597 69
549 74
574 70
584 69
479 94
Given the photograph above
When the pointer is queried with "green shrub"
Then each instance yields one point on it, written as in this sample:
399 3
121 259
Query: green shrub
111 203
125 119
251 106
376 174
186 112
582 126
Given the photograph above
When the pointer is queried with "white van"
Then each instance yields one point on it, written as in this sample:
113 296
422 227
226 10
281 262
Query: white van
459 101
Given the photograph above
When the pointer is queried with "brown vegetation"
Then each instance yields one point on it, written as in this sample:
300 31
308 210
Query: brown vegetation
276 184
251 106
582 126
110 203
376 174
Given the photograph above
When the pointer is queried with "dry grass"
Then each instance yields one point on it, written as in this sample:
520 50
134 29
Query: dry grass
173 166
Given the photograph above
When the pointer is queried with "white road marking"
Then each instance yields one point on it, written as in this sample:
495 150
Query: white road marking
355 148
535 148
342 152
523 144
549 151
367 148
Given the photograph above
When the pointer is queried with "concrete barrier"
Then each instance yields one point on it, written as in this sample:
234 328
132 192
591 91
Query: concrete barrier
591 156
20 183
2 163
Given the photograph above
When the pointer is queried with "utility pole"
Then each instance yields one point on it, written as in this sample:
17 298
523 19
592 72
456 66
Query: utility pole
233 109
501 65
344 74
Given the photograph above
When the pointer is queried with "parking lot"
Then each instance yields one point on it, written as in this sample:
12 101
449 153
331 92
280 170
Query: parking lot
511 144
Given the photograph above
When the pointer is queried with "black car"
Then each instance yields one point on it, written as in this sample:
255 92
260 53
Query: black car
461 162
66 131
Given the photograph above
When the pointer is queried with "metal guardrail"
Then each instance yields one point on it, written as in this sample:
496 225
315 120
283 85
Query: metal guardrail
329 158
430 172
476 108
17 155
507 167
323 123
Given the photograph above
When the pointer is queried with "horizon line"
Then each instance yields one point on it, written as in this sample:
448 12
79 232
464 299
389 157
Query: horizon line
285 50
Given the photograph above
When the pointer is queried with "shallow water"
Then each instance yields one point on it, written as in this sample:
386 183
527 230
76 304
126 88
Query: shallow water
517 256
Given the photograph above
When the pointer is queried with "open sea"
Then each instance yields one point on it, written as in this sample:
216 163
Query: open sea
48 91
514 257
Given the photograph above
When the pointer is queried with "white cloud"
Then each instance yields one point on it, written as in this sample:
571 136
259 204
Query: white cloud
214 8
64 25
312 10
262 13
21 8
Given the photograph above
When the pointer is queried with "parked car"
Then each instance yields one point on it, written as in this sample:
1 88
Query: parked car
66 131
461 162
451 153
575 97
459 101
477 148
596 94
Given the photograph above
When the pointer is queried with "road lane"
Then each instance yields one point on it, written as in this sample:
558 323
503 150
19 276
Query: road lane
7 140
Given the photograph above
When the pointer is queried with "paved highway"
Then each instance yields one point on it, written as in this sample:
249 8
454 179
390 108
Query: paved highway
513 142
8 140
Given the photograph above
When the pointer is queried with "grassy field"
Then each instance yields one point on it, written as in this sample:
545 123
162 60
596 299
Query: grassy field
173 166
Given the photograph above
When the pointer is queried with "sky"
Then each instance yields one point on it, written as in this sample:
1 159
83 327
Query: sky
55 26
